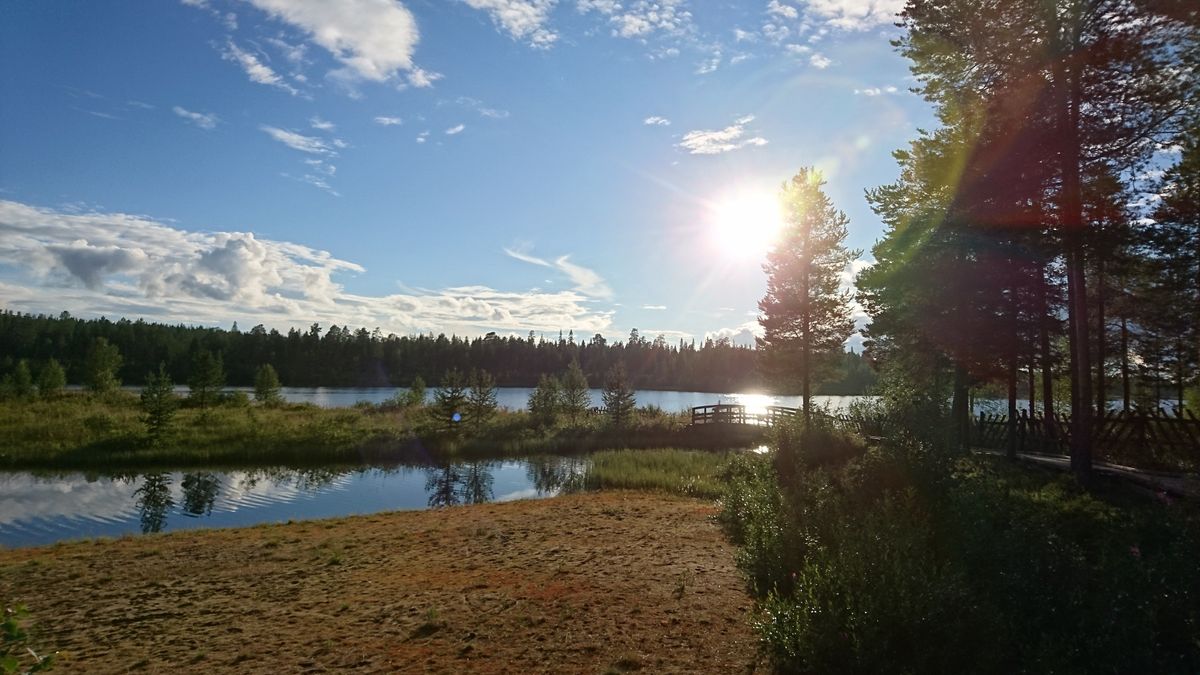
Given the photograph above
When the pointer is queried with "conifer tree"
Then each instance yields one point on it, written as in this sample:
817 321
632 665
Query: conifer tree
619 400
415 396
806 316
100 369
450 399
207 378
574 395
51 380
266 385
158 404
545 400
22 380
481 399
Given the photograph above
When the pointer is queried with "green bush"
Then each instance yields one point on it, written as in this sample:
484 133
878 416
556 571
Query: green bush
899 560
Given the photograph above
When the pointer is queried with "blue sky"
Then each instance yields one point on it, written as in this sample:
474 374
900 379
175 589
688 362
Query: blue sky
429 165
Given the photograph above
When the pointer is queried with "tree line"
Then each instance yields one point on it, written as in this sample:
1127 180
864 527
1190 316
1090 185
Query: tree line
341 356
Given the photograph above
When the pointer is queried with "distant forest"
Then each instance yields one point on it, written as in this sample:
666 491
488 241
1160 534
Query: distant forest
344 357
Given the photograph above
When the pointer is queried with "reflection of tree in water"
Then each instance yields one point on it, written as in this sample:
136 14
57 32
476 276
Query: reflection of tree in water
452 484
551 474
199 492
154 500
441 483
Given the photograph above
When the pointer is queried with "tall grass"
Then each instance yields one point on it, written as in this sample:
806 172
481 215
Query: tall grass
692 473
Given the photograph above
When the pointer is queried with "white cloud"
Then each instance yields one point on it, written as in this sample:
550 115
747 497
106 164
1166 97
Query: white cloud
642 18
586 281
654 307
320 124
422 137
716 141
387 121
373 38
456 129
709 65
522 19
203 120
255 69
299 142
741 335
118 264
855 14
820 61
779 9
421 78
740 35
797 49
876 91
655 120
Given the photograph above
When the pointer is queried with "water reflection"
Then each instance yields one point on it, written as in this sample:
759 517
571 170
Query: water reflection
38 509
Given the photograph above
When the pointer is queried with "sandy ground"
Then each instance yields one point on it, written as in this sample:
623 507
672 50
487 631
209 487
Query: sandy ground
603 582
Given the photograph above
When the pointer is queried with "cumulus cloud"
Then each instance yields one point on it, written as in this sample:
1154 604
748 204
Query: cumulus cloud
421 78
387 121
781 10
642 18
741 335
820 61
255 69
717 141
206 121
655 120
295 141
127 265
456 129
855 15
373 39
586 281
525 20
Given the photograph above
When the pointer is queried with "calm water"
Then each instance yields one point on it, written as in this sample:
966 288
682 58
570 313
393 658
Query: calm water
42 509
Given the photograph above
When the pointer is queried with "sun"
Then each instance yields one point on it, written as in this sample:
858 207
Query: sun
745 222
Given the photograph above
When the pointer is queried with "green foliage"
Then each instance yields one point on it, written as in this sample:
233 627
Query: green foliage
100 369
898 561
692 473
266 385
545 401
481 399
52 379
22 381
206 379
158 404
16 656
415 396
618 397
574 396
450 399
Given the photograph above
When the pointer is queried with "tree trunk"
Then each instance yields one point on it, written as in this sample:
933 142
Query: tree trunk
1125 392
960 418
1050 421
1067 91
1011 450
1101 339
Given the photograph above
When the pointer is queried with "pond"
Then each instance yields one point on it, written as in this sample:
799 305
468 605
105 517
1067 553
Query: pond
44 508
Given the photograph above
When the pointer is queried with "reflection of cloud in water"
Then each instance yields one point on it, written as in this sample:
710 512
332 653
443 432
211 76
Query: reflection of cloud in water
527 493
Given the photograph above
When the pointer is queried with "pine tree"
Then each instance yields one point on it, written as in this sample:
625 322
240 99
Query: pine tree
158 404
207 378
22 381
450 399
51 380
415 396
481 399
805 315
619 400
266 385
545 401
574 395
100 368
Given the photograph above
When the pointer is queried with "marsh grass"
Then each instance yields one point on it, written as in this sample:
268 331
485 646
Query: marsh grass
692 473
83 431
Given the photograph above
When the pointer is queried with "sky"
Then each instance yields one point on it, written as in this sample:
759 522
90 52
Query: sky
456 166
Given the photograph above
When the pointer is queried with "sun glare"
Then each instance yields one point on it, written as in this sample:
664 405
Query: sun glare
745 223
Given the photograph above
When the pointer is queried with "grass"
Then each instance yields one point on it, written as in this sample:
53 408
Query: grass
692 473
79 431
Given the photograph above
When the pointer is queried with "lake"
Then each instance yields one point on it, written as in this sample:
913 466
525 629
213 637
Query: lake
45 508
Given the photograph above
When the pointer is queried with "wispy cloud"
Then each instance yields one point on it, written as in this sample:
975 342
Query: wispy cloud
717 141
654 307
876 91
310 144
423 136
585 281
655 120
384 120
456 129
127 265
203 120
255 69
421 78
525 20
320 124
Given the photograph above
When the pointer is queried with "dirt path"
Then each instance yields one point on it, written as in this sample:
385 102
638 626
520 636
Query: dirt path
605 582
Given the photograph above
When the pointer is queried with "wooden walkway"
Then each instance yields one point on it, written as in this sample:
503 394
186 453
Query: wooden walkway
728 413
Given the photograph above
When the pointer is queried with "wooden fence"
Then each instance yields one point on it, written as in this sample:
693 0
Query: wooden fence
727 413
1137 434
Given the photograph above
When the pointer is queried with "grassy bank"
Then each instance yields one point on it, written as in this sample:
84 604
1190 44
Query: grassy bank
82 431
689 473
903 559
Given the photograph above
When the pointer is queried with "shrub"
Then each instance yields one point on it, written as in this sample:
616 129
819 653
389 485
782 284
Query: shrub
266 385
544 401
51 380
100 368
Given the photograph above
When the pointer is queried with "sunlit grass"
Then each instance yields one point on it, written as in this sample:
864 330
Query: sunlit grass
694 473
